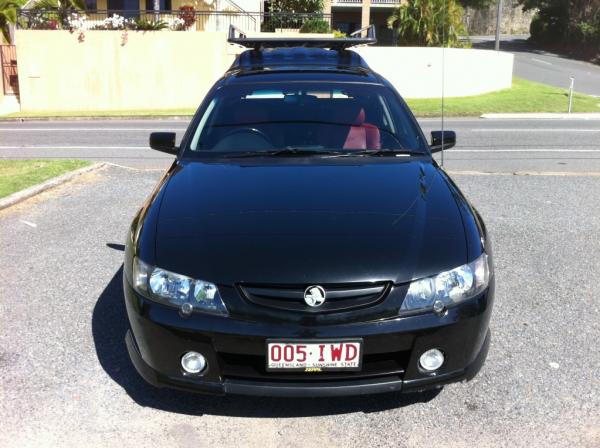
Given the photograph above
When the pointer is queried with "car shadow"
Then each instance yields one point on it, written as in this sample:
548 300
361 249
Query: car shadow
109 325
516 46
524 45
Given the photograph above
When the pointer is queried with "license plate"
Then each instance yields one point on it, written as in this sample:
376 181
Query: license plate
314 356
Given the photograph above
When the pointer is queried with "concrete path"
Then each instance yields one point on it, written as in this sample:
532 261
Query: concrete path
66 381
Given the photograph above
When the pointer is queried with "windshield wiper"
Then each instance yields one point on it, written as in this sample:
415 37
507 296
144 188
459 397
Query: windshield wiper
289 151
380 153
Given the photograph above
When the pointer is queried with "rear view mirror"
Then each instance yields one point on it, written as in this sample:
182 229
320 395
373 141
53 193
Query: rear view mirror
164 142
448 137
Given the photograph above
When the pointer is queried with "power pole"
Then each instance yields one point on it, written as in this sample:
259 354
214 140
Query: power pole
498 18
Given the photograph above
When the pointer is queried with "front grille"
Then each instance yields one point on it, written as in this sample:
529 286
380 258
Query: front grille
253 367
338 297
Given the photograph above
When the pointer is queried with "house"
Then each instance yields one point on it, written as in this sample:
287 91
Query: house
351 15
173 5
207 15
216 15
135 6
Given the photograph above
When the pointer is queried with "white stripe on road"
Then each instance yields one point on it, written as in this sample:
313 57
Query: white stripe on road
90 129
532 130
451 150
525 150
541 62
74 147
2 129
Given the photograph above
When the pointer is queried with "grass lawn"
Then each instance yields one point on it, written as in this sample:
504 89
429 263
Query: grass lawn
17 175
524 96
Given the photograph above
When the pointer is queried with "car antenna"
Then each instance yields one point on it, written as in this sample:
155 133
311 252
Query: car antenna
443 75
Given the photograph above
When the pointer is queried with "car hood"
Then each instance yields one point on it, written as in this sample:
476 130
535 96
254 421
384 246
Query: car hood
311 222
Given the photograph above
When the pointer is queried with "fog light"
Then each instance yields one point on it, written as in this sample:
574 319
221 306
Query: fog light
186 309
431 360
439 307
193 362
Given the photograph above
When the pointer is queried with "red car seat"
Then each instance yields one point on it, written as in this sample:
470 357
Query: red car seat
363 135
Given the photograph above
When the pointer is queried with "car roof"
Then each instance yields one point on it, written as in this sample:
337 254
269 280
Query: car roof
300 63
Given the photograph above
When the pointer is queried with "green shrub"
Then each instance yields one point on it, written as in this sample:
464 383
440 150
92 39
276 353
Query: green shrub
149 25
537 29
298 6
428 23
315 26
338 34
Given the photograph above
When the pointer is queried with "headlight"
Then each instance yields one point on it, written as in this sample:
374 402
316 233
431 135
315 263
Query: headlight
450 287
175 289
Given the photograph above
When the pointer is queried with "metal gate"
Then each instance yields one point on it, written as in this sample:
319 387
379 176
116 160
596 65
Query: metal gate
10 75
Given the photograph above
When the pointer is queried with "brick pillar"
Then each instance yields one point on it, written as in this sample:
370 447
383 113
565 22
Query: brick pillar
366 13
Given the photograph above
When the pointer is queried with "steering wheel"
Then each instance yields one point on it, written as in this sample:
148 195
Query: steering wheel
234 140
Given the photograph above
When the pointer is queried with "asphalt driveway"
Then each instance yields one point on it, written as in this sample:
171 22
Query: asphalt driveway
66 379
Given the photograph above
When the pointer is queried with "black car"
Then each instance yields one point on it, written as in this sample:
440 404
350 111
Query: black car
304 242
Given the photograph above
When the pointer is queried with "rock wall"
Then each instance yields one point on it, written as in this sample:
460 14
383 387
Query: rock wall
483 21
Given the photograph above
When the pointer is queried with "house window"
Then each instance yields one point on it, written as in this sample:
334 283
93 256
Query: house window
91 5
165 5
123 5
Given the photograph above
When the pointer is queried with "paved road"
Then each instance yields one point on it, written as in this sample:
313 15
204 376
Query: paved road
65 379
484 145
548 68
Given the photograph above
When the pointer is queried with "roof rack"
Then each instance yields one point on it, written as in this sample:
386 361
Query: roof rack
364 36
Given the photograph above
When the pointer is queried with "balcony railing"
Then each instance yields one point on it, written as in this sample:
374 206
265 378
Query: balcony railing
72 20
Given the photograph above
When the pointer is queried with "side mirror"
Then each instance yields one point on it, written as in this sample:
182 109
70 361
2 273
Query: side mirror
164 142
449 138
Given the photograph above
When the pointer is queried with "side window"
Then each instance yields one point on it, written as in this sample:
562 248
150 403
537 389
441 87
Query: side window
387 118
200 128
399 123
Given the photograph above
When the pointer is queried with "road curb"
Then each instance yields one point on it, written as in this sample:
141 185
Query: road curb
543 116
20 196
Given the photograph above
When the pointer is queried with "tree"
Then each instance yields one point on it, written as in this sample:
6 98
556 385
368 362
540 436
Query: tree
298 6
477 4
428 23
570 23
8 15
291 13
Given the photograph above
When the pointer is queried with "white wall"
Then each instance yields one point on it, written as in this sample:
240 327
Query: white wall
151 70
417 72
154 70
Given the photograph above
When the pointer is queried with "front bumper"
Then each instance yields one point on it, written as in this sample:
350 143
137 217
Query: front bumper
234 349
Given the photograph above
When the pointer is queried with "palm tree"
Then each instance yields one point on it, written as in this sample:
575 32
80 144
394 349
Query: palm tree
61 9
428 22
8 15
70 5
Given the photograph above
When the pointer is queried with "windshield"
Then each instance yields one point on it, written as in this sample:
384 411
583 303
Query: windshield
306 118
